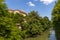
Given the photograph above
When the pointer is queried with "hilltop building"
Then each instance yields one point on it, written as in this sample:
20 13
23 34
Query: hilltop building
17 11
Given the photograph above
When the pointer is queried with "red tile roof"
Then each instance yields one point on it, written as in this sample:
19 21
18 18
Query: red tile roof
21 11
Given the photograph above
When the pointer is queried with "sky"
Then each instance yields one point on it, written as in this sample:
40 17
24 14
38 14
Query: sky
44 7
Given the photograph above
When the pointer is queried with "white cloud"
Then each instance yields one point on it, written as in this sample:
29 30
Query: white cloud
30 4
47 1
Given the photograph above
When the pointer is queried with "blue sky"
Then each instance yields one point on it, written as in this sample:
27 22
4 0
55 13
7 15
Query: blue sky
44 7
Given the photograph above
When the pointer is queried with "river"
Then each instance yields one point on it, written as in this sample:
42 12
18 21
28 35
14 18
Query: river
52 35
48 35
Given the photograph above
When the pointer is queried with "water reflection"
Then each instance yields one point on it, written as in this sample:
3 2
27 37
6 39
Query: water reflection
52 35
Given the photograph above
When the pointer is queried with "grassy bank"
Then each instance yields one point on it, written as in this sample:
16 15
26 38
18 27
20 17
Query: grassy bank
43 36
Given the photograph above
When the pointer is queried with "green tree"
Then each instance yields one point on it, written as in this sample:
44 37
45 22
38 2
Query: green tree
8 29
3 8
17 18
56 19
46 23
32 25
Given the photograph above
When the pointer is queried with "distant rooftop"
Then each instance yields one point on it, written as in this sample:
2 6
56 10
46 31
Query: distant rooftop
17 11
21 11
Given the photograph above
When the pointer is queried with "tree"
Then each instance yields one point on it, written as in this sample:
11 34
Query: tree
8 29
46 23
56 19
32 25
17 18
3 8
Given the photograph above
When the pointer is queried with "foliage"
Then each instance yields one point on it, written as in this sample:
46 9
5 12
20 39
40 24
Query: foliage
46 23
17 18
31 25
3 8
35 24
8 29
56 19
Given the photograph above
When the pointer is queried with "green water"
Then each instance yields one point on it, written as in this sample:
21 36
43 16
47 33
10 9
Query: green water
47 35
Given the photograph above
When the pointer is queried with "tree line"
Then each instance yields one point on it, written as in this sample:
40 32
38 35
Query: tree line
31 25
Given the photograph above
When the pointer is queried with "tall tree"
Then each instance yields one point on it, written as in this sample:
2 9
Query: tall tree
56 19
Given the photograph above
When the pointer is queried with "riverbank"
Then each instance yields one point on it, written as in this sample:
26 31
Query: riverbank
43 36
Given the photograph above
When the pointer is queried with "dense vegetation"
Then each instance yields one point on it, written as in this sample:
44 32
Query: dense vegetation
35 24
56 19
31 25
8 29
